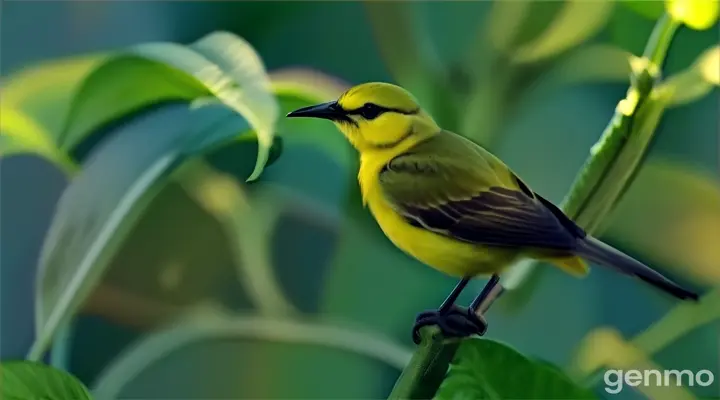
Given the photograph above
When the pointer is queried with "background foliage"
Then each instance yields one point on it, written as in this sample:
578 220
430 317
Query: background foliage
284 287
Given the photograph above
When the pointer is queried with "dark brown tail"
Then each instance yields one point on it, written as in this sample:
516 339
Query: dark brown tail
598 252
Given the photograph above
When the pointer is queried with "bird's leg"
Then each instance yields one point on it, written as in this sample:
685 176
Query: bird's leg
453 296
452 320
483 300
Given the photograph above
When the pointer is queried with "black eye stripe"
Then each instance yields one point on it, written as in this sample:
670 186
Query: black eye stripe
358 111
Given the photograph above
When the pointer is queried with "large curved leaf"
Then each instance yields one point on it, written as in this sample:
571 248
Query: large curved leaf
486 369
20 380
71 99
108 196
219 64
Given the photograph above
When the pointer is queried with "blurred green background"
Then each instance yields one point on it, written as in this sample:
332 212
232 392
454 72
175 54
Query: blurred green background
327 257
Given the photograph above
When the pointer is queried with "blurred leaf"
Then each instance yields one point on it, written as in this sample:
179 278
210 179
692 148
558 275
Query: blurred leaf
606 348
408 52
649 9
25 380
220 64
20 134
678 322
596 63
45 92
485 109
90 224
505 21
248 222
212 326
576 22
120 85
697 81
697 14
307 83
540 16
17 127
485 369
670 215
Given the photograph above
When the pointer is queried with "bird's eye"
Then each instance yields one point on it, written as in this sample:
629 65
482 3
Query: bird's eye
370 111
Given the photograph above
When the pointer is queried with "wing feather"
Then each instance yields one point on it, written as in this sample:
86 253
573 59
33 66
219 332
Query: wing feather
448 186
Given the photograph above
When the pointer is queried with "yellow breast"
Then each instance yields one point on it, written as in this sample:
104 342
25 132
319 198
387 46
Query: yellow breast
447 255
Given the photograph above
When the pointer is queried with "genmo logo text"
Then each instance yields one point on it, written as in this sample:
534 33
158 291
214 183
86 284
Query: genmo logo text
617 379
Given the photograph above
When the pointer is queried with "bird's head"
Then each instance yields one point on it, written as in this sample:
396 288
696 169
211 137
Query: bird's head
375 116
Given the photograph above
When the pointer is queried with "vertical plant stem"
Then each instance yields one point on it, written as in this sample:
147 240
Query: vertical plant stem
598 186
615 158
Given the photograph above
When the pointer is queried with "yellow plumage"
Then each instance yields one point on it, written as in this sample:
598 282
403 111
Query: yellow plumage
451 204
450 256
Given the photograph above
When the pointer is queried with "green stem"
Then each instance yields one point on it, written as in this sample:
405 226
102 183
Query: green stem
426 370
598 186
613 161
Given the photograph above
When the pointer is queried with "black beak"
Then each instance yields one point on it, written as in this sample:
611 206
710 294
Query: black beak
328 110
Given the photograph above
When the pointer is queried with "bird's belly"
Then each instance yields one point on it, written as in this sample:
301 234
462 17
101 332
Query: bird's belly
447 255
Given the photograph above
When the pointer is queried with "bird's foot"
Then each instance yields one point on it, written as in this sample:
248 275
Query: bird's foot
457 322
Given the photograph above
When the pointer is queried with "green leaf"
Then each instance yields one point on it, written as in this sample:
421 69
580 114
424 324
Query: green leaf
504 23
253 99
314 86
20 134
678 231
596 63
220 64
25 380
577 21
105 200
648 9
486 369
122 84
407 50
44 93
71 99
697 81
605 347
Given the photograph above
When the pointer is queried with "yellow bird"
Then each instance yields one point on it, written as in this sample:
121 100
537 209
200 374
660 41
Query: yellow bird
454 206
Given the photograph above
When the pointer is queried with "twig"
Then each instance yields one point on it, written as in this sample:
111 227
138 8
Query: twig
208 324
426 370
